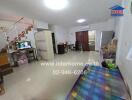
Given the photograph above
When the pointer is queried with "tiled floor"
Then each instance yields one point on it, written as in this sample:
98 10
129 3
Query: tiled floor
38 82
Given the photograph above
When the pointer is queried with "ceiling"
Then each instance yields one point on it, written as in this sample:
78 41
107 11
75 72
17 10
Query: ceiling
92 10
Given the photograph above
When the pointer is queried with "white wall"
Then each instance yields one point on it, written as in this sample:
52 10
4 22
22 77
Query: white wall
13 31
117 26
2 40
2 35
61 34
18 28
40 24
5 23
98 27
125 43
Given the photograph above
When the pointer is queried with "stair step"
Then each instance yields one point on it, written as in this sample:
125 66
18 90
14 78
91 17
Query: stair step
4 66
7 71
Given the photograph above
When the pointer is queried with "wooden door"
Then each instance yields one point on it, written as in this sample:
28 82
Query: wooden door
85 41
79 37
82 37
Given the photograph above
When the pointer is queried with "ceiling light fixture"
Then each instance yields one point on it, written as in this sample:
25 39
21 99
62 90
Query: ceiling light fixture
81 20
56 4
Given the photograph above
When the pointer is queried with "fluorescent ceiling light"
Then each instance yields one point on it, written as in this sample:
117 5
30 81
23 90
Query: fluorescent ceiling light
56 4
81 20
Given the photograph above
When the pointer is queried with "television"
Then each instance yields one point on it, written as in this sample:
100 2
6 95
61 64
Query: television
23 45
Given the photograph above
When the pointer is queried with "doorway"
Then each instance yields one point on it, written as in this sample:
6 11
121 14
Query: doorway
86 39
106 37
92 37
53 41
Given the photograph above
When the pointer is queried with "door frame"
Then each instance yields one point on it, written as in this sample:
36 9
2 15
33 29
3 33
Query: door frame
95 38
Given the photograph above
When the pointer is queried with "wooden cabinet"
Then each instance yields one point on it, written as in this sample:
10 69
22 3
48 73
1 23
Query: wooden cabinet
61 48
4 64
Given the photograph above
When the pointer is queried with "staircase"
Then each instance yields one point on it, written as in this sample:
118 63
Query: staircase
6 69
10 36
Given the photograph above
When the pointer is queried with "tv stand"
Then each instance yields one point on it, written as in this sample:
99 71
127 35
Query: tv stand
23 55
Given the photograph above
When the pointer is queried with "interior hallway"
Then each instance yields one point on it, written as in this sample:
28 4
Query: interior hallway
36 82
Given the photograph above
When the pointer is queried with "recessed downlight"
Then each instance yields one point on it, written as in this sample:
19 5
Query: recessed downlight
81 20
56 4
